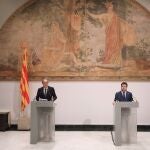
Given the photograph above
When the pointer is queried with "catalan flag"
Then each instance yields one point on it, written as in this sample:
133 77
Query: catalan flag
24 82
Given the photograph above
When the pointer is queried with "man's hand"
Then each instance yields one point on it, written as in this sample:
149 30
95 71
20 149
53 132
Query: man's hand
113 102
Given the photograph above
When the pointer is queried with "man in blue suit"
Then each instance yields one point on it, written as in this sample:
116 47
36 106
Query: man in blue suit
123 95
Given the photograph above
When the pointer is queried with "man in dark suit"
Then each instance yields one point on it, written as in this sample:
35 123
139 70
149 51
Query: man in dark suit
123 95
46 92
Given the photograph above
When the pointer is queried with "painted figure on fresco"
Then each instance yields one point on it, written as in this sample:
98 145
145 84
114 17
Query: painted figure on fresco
118 33
57 38
54 52
74 20
56 46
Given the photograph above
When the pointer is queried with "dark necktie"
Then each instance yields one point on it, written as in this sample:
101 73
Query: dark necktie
45 91
124 97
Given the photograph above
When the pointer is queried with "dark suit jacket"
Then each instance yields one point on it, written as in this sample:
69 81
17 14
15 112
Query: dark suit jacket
119 97
50 94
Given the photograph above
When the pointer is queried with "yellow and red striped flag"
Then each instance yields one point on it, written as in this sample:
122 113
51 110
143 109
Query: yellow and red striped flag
24 87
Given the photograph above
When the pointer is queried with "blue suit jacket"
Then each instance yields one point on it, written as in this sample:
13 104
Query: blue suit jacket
119 97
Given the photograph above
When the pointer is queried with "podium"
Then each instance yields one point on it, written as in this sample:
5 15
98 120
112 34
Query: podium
125 123
42 121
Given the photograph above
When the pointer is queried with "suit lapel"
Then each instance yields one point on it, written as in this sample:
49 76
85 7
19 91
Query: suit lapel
121 95
127 95
43 92
47 91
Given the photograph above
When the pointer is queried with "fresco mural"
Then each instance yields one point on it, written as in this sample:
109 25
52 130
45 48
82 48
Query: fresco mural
78 40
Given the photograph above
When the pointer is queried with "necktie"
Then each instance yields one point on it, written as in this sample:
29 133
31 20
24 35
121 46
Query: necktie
124 97
45 91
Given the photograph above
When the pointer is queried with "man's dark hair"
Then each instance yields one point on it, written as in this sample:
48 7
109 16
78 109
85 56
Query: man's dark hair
124 83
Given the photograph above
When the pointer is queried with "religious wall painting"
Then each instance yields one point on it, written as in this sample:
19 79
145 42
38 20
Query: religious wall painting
78 40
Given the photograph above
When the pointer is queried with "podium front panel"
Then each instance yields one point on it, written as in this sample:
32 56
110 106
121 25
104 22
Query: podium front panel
125 123
42 121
